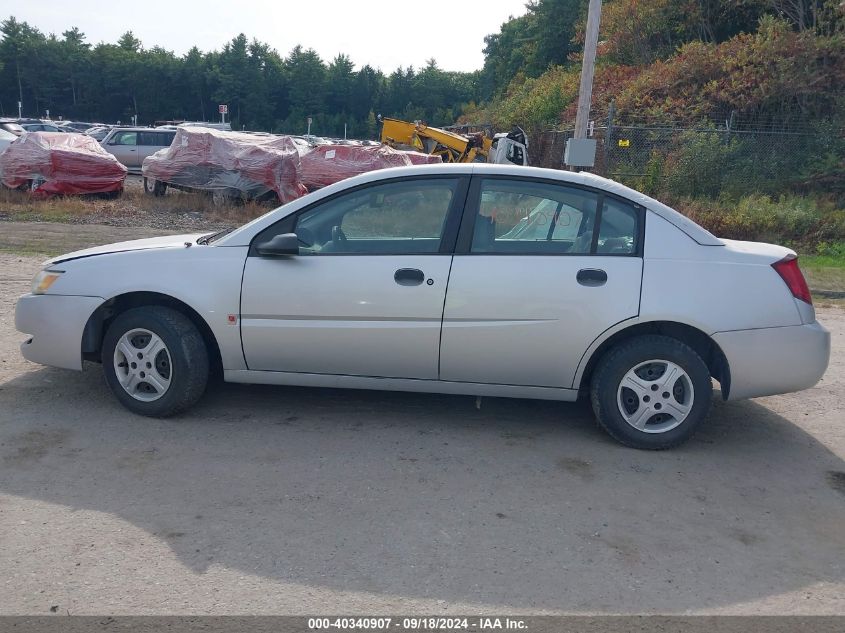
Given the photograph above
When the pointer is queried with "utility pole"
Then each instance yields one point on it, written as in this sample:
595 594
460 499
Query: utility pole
581 151
588 69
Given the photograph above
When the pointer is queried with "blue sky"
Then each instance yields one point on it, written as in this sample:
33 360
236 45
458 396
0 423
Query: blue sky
381 33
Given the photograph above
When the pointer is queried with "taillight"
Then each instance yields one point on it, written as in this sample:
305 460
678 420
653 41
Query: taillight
792 276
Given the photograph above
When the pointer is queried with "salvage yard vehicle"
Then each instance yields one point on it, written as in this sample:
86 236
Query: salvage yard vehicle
75 126
509 148
228 165
477 279
60 163
11 125
329 163
6 138
41 126
99 132
131 145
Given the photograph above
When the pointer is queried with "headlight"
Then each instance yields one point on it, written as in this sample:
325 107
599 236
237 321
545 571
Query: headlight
44 280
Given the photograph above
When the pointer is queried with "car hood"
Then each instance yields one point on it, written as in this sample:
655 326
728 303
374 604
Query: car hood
167 241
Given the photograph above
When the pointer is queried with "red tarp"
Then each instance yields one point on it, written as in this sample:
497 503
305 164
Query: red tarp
233 162
418 158
327 164
62 163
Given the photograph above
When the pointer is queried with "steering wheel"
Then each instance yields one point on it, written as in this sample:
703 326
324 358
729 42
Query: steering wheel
338 236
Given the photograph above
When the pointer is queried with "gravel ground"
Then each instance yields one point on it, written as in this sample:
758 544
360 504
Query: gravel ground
301 501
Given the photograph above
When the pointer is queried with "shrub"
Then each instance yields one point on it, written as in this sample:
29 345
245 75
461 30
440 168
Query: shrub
809 222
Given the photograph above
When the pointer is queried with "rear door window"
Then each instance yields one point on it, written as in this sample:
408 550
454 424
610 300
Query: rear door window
517 216
543 218
149 139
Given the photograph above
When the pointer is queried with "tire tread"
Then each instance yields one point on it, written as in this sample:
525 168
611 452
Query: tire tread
193 381
608 364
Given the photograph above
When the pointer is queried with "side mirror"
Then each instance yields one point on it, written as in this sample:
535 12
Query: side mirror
279 246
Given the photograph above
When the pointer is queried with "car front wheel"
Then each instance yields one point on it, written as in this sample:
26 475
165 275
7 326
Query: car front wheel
154 187
155 361
651 392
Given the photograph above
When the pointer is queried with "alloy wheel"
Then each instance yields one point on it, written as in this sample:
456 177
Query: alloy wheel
655 396
143 365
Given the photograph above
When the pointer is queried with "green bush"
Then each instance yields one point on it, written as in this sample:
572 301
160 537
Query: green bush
813 223
696 167
719 164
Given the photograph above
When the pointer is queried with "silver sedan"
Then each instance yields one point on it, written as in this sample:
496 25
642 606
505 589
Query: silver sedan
467 279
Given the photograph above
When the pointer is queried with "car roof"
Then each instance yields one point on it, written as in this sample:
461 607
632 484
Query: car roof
242 235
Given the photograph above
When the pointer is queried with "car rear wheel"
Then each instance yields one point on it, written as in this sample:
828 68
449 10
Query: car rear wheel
155 361
651 392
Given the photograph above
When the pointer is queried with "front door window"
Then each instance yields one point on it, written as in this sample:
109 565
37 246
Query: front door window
403 217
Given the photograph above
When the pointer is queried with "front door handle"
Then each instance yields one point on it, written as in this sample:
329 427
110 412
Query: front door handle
591 277
408 277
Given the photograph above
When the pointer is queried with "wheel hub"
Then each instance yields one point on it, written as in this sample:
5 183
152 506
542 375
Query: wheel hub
655 396
142 365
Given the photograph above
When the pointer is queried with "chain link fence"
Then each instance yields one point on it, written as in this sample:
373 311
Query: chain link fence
706 161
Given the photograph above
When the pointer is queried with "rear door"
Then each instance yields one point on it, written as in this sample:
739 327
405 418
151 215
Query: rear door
542 268
150 142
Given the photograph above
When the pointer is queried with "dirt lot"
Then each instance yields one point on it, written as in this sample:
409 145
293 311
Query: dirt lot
283 500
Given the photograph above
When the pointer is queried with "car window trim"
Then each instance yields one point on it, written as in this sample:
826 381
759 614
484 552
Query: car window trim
451 226
464 243
594 243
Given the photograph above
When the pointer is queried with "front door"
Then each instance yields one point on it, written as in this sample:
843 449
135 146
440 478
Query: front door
542 268
124 147
365 295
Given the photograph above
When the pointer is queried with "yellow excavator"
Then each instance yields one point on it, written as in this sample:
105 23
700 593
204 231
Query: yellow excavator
452 147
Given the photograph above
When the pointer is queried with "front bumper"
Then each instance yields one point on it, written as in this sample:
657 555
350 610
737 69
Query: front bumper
776 360
55 324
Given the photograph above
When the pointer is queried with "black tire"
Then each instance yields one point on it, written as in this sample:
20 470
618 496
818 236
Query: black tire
111 195
189 363
616 363
154 187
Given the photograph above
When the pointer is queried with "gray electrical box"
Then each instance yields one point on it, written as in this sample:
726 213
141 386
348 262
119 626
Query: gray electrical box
580 152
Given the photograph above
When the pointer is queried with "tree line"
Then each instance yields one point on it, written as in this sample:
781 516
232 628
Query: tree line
107 82
761 57
675 60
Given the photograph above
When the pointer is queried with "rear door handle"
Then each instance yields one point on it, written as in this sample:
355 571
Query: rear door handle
591 277
408 277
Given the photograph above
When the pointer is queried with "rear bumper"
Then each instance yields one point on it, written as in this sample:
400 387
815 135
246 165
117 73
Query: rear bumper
769 361
55 324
